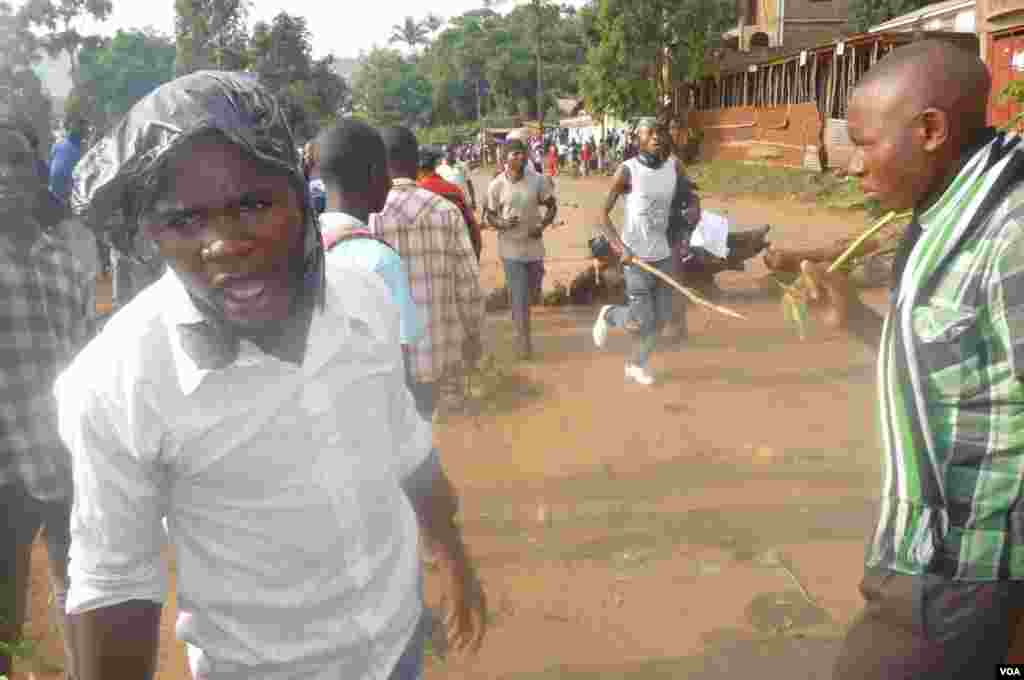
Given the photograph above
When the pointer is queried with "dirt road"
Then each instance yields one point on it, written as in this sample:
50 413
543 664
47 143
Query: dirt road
708 527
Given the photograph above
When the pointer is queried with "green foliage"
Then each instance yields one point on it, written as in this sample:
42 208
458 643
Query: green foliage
54 21
118 72
18 55
1015 92
411 32
391 90
866 13
625 38
309 90
211 34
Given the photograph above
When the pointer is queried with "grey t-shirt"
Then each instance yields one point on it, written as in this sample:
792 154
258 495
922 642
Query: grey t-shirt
520 199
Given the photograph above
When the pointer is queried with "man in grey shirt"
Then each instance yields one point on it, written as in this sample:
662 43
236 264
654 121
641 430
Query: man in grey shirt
512 207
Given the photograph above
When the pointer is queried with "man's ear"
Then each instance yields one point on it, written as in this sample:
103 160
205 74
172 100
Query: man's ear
934 129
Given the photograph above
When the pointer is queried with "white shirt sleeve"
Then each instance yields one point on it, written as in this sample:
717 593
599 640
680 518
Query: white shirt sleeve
117 536
412 435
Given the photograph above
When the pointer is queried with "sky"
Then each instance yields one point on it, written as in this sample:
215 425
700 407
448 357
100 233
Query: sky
341 27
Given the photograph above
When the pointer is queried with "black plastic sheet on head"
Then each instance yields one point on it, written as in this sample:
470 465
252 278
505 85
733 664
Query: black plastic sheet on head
119 177
120 173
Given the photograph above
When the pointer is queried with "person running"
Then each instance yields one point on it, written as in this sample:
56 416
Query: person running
254 398
514 199
657 194
942 584
46 312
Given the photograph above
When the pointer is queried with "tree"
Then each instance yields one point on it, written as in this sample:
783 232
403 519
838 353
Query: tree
19 51
634 43
59 17
211 34
388 89
866 13
118 72
411 32
310 92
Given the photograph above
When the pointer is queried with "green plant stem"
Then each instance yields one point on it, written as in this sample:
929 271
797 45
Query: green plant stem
875 228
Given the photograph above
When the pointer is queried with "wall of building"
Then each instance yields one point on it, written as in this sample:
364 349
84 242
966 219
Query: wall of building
799 35
817 9
781 135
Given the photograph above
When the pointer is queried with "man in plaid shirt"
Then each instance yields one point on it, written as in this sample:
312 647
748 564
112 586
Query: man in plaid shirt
44 315
431 235
944 577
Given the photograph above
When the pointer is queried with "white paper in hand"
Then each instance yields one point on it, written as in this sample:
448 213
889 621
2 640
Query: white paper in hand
712 234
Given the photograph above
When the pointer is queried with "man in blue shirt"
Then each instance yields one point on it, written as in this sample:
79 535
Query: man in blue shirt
63 159
353 166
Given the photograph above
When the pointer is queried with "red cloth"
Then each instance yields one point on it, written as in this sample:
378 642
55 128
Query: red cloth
586 153
552 163
440 186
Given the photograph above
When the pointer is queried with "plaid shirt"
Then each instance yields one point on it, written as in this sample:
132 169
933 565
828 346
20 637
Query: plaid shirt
431 236
952 397
48 303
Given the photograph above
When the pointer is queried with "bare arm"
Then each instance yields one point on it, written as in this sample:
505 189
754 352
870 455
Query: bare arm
551 211
466 621
842 307
117 642
620 186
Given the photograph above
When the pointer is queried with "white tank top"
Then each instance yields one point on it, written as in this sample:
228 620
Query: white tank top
647 208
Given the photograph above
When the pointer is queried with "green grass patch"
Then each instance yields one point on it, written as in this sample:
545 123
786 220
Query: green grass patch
738 178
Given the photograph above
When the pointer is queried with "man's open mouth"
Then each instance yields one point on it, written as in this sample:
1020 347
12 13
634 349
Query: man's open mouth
244 290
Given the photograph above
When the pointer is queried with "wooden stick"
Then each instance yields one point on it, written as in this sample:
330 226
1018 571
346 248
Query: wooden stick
687 292
841 260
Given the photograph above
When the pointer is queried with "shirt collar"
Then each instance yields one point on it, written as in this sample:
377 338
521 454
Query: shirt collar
335 225
403 182
968 164
183 317
340 220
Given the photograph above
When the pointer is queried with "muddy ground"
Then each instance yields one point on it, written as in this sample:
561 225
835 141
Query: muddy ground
709 527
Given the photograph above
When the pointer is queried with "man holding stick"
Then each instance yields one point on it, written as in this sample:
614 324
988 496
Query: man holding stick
944 569
658 195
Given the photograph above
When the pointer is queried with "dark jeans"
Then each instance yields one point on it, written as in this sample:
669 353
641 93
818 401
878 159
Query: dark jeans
21 517
524 281
648 308
410 664
425 395
928 627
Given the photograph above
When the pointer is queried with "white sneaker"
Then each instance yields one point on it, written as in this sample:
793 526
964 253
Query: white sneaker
639 374
601 326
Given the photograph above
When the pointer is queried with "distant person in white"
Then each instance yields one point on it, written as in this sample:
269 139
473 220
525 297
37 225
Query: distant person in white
256 399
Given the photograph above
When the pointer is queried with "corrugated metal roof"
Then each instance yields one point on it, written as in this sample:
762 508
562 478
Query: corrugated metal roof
733 61
925 12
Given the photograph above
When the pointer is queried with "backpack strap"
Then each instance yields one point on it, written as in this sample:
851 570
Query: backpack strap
333 239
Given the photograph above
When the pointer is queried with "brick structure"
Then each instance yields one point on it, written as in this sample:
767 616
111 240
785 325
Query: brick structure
786 23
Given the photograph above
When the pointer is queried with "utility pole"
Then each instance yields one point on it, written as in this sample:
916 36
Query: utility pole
538 8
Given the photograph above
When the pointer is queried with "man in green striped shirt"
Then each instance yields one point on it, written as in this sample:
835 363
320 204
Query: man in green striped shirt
944 565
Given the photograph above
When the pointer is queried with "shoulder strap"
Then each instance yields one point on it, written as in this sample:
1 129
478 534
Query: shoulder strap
330 241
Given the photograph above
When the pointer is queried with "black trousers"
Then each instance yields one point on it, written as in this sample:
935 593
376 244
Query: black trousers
929 627
21 518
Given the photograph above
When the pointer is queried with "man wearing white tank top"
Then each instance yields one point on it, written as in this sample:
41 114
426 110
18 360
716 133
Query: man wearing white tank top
657 194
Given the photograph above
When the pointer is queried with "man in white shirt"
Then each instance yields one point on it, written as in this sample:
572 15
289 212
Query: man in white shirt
456 172
255 398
